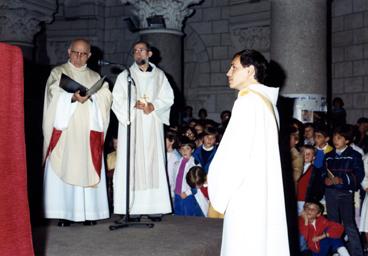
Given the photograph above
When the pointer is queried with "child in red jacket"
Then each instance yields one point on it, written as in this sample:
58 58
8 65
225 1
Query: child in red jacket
320 235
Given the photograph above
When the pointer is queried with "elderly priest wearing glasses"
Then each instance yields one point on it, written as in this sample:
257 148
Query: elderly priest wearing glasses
74 127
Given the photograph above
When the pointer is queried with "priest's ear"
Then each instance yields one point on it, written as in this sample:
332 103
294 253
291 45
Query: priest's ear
252 71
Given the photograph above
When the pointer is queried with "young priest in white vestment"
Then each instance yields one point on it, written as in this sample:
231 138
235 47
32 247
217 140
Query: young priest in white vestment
152 97
74 127
244 178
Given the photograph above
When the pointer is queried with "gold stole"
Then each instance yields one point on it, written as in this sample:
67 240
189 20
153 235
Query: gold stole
264 98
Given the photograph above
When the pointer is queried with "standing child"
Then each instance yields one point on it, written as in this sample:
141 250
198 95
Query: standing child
309 134
184 202
205 153
318 234
310 184
296 156
343 172
321 138
173 158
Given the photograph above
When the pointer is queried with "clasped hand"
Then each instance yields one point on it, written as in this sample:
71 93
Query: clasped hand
146 107
79 98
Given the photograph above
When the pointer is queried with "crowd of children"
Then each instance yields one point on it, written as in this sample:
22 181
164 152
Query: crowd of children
190 150
329 161
331 176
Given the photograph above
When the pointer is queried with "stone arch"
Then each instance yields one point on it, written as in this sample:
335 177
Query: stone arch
197 71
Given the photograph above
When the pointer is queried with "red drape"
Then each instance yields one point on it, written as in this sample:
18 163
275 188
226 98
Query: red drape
15 228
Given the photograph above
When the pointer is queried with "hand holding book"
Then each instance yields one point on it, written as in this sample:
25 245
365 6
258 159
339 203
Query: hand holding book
70 85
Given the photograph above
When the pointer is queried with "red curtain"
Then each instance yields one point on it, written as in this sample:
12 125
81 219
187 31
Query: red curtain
15 228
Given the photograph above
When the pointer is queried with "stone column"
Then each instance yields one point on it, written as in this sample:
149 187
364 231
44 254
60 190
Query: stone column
167 40
298 45
20 21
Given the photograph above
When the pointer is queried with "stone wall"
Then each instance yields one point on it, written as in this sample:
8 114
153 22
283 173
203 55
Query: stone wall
350 56
217 30
213 34
102 22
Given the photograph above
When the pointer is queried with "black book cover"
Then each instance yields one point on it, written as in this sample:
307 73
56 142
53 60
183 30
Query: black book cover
70 85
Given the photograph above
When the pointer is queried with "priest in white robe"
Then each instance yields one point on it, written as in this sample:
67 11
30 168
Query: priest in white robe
74 129
244 178
151 100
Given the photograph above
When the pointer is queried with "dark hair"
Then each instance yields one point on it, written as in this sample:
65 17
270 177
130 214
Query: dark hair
362 120
142 42
323 129
185 141
202 111
338 100
345 131
195 176
225 112
320 206
172 136
210 131
250 57
309 125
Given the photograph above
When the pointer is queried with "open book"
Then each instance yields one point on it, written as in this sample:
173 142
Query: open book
70 85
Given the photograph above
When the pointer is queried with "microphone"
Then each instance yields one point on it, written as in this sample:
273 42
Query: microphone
107 63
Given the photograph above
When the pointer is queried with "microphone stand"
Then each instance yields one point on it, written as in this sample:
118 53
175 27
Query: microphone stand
126 221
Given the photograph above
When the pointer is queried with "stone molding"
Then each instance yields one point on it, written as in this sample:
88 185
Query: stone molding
251 36
20 20
173 11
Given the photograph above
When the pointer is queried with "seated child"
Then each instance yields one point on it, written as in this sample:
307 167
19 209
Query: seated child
196 179
184 202
204 154
310 184
318 234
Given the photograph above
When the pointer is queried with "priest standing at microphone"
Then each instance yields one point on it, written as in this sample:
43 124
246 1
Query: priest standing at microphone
152 97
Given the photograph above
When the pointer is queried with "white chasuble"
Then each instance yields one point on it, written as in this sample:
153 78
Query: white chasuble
245 179
149 190
74 178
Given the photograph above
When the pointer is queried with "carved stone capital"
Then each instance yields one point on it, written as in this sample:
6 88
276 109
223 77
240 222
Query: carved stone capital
173 11
256 36
20 20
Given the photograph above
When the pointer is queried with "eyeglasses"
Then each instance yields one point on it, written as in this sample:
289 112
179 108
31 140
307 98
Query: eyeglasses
82 54
139 50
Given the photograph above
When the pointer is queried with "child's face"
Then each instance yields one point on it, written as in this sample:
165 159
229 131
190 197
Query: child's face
312 211
308 155
209 140
169 144
363 128
293 140
186 151
320 140
308 132
339 141
198 128
190 135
